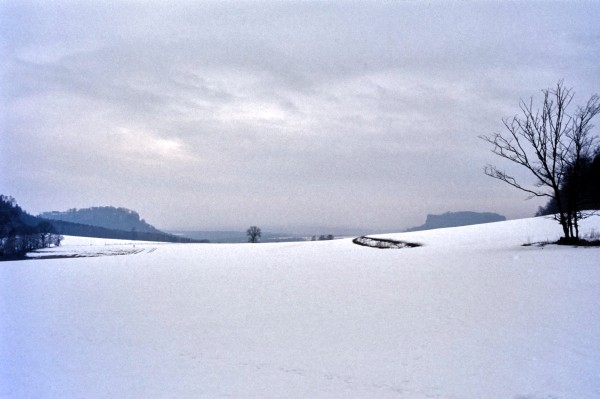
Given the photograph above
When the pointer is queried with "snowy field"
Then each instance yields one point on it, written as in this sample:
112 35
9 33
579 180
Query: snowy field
470 314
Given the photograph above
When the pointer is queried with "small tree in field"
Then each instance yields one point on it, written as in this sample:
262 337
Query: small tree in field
253 234
553 145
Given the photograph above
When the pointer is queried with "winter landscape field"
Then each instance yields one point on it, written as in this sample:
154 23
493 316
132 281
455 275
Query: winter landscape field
472 313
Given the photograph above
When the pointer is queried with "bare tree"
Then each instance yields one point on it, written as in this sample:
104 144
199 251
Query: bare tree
253 234
551 144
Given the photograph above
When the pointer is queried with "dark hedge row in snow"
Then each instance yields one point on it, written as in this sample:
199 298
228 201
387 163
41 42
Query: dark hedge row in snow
383 243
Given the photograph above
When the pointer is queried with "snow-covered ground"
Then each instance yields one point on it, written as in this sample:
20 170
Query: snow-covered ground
470 314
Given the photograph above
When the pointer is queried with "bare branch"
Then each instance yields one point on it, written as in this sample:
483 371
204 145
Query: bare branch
501 175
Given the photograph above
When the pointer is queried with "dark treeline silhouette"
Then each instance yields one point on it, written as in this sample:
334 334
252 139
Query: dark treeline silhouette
21 233
588 198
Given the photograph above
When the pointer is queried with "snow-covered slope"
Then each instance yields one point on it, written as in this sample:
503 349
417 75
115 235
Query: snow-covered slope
470 314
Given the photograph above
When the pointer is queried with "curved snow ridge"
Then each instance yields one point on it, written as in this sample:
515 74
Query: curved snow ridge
383 243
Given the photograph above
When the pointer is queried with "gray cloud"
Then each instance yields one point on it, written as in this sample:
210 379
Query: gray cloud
228 114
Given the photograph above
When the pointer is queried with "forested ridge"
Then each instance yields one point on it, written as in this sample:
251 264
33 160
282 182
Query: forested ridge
103 216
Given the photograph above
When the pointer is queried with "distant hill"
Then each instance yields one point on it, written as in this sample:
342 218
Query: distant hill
107 222
86 230
104 216
455 219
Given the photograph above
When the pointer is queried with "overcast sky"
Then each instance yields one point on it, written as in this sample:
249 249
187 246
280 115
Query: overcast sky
229 114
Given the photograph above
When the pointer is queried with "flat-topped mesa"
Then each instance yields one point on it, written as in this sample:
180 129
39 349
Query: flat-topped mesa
455 219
